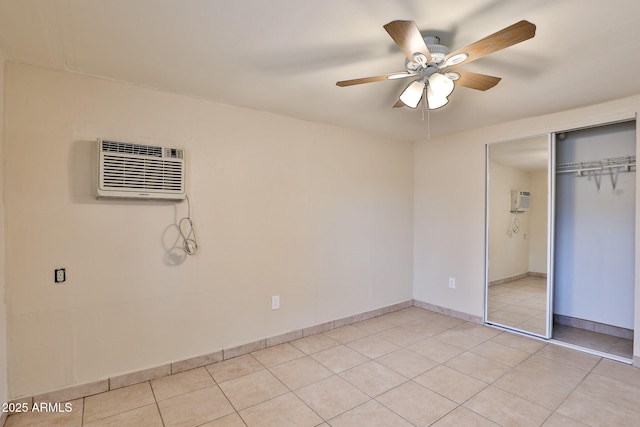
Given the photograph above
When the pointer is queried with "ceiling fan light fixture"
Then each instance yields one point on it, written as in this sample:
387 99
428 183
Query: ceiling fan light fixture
412 94
434 101
427 62
456 59
441 85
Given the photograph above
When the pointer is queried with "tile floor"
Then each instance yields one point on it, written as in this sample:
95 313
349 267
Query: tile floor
522 304
410 367
601 342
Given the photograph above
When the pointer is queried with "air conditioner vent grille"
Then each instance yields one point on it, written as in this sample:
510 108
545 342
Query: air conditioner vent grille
127 148
142 174
140 171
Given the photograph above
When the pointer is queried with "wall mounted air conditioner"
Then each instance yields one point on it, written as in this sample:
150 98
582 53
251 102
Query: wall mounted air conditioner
127 170
520 201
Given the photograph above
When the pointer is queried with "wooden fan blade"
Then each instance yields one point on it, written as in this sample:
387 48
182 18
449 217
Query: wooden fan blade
398 104
391 76
408 38
475 80
509 36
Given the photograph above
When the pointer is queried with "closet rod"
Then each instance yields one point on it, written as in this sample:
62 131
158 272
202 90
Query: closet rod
626 162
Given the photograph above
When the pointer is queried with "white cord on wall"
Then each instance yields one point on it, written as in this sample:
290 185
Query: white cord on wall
515 226
190 241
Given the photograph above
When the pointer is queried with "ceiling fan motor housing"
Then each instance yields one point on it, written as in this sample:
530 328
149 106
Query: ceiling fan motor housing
438 51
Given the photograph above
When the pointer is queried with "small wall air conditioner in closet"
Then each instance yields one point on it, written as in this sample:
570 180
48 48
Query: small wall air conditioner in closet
520 201
137 171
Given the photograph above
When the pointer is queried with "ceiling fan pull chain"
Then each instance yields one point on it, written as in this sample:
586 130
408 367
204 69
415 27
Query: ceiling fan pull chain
426 107
428 126
424 98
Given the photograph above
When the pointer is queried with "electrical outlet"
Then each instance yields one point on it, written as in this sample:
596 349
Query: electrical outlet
60 275
275 302
452 282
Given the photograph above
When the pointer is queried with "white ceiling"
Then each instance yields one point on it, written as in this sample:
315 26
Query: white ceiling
529 154
284 56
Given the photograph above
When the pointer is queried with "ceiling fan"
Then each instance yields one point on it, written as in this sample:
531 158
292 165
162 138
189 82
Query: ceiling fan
431 64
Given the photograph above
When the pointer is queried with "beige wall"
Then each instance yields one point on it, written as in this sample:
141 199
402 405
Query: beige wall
319 215
449 206
510 253
3 310
508 250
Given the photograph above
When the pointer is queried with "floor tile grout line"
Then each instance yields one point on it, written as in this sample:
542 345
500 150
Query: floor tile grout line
357 406
573 390
400 415
239 376
155 399
332 375
369 398
489 384
293 392
374 398
551 411
235 411
121 412
471 410
215 383
321 417
83 408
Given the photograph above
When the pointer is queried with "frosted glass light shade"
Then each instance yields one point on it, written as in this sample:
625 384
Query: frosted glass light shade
412 94
441 85
434 101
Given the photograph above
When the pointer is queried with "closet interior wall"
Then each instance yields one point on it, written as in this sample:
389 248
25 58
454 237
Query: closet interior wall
595 225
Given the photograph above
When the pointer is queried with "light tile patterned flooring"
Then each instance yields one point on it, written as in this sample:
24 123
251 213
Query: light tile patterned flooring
522 304
410 367
601 342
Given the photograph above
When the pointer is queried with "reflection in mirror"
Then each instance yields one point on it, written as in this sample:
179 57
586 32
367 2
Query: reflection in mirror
517 205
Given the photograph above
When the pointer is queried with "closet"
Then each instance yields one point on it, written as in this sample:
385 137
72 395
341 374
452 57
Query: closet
563 268
594 247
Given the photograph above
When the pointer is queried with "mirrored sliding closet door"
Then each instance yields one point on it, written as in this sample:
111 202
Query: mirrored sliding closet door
519 235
